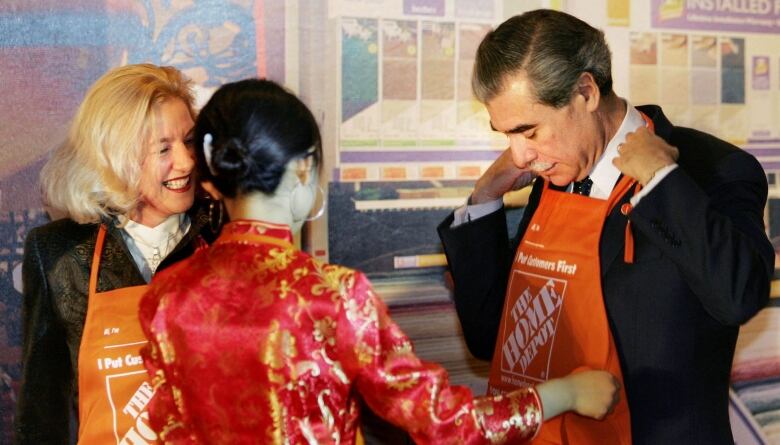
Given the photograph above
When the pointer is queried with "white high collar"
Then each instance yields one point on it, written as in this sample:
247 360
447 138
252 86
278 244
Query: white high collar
604 174
150 245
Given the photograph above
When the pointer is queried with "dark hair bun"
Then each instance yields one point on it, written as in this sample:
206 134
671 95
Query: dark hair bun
231 158
258 127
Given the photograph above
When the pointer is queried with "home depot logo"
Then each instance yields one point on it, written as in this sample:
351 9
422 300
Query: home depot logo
530 321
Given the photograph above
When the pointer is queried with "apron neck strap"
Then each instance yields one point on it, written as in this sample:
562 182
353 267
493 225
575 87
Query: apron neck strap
650 125
624 185
93 273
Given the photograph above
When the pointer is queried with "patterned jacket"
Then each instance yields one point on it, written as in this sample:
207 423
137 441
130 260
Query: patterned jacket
254 341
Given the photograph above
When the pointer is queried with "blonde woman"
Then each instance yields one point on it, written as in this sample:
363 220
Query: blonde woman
125 177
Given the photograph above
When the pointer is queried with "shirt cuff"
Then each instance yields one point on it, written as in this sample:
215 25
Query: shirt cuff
468 213
657 178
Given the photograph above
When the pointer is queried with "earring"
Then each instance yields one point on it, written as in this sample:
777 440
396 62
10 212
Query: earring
302 199
324 204
215 226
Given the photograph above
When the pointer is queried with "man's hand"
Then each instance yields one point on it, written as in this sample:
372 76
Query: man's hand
501 177
642 154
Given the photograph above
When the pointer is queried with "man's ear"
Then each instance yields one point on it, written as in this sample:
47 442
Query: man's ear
589 91
209 187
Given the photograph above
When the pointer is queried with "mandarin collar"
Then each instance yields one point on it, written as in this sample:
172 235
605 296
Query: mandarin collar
258 227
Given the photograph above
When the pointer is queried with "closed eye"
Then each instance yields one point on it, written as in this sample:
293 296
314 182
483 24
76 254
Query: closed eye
189 138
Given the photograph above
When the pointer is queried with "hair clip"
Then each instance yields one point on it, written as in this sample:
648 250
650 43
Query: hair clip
207 148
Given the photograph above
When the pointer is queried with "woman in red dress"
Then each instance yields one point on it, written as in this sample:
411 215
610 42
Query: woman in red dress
254 341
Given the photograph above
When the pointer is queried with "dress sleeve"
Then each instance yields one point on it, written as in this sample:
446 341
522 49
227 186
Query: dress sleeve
42 413
416 395
165 415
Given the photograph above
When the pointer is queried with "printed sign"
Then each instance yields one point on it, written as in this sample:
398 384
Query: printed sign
721 15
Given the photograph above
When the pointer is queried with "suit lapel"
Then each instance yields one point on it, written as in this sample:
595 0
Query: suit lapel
613 236
614 233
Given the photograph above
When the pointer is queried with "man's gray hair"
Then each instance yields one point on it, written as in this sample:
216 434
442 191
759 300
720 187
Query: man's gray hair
552 48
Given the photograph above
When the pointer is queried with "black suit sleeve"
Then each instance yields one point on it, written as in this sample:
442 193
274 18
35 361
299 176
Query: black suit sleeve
716 236
42 415
479 256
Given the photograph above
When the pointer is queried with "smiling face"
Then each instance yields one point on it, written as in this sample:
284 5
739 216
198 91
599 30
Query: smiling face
167 184
560 144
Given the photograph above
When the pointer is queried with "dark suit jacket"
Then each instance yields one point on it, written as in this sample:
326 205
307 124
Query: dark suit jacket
57 261
702 267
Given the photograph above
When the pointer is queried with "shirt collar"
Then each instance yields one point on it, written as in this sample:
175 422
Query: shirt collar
158 234
604 174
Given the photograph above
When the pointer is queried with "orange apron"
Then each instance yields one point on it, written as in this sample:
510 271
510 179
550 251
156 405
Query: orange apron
554 321
114 388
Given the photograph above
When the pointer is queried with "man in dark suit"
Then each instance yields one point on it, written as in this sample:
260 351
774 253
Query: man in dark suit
693 264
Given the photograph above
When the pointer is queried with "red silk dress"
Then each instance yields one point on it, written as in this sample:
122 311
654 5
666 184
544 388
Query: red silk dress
253 341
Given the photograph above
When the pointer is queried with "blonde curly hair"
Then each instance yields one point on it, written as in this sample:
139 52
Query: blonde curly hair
96 172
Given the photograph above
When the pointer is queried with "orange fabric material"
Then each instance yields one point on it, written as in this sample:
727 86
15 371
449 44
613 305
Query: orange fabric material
554 321
113 385
628 255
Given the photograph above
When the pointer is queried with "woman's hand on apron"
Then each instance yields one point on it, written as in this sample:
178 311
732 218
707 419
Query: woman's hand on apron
595 393
588 393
